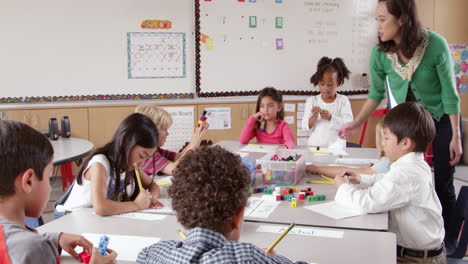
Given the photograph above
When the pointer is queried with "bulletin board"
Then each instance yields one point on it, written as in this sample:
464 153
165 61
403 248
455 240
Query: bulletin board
243 46
87 50
460 66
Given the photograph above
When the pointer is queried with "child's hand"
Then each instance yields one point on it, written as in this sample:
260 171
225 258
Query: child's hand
353 177
348 129
198 134
271 253
311 169
315 111
96 258
258 116
69 242
155 204
143 200
324 114
347 177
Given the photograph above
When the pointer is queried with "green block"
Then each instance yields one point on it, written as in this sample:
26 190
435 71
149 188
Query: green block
310 198
251 190
279 22
268 191
252 21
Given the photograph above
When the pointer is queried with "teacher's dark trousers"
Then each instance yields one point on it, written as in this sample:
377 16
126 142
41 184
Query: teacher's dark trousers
443 172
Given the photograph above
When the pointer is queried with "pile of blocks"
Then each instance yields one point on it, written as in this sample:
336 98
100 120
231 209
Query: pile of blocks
287 194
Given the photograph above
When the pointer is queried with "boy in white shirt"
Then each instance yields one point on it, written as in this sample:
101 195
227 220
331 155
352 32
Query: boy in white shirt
406 191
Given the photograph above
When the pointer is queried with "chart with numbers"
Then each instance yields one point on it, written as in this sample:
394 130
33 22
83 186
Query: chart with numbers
156 55
182 127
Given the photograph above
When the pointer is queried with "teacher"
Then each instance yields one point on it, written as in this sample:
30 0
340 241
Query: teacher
417 66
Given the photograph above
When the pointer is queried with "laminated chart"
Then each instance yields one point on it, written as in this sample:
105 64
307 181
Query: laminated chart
156 55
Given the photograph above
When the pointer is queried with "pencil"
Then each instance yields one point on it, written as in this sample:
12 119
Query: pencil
320 152
181 234
280 237
321 182
137 173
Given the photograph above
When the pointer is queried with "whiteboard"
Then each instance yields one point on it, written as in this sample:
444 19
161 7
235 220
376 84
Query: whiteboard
240 57
78 50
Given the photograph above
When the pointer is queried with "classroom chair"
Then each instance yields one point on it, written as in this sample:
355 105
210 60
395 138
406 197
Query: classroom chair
378 112
458 228
34 222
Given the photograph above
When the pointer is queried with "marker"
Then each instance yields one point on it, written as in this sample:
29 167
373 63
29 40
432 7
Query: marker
202 118
280 237
137 172
181 234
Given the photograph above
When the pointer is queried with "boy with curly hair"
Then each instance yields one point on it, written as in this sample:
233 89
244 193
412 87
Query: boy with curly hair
209 194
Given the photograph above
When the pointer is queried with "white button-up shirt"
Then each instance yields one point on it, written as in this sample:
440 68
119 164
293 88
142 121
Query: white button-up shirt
407 192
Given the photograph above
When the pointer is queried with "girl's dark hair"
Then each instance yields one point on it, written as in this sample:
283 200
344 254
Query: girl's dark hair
21 148
135 129
326 64
276 96
411 29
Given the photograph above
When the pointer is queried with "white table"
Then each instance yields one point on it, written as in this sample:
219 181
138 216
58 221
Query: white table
67 150
285 214
354 247
70 149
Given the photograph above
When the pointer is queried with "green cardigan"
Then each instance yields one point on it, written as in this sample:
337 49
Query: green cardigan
433 82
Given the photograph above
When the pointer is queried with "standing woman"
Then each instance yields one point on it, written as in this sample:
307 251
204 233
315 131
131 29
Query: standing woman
417 65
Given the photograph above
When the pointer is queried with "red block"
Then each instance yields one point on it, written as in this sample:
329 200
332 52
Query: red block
309 189
85 257
310 193
285 191
279 197
302 196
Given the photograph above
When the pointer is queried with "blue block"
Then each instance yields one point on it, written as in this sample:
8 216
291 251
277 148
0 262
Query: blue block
103 242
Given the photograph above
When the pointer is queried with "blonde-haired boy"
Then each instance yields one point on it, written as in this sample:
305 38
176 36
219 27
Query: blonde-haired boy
164 161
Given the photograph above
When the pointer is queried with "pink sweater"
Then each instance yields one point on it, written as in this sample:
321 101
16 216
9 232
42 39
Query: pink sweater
281 135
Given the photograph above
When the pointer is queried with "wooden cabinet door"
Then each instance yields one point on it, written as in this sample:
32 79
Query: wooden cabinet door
78 119
103 121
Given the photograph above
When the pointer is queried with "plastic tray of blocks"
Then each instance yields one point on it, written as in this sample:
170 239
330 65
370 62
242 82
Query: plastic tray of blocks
283 166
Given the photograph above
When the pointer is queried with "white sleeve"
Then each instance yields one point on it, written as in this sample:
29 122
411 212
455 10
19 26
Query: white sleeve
391 192
307 113
343 115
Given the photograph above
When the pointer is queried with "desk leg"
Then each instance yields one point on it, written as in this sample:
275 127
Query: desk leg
67 174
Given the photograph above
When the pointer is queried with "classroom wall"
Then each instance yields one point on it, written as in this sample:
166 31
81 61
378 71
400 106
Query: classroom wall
97 124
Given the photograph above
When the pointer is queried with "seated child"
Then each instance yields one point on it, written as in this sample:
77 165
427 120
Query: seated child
164 161
406 191
381 166
107 179
267 124
25 171
325 113
212 207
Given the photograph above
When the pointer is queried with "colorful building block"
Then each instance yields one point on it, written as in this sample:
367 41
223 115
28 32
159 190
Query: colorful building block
103 242
294 203
85 257
279 197
302 196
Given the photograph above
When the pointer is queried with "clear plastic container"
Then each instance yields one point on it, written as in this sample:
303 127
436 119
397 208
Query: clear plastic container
281 172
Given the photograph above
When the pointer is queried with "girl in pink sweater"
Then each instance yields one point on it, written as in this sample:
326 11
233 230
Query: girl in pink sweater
267 123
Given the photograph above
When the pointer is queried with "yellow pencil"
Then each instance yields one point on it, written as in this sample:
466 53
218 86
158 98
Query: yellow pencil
280 237
181 234
321 182
137 172
327 178
320 152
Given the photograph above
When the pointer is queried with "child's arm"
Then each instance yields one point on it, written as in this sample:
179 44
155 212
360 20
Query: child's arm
388 193
152 187
332 171
248 131
197 136
288 136
102 206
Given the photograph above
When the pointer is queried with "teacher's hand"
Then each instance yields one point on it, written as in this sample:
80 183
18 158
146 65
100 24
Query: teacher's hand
348 129
455 150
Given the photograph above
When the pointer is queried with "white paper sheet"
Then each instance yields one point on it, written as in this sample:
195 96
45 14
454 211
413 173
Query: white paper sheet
333 210
165 181
290 107
141 216
300 132
252 204
258 148
300 115
289 119
219 117
167 209
300 107
355 161
241 154
264 209
181 130
303 231
127 247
